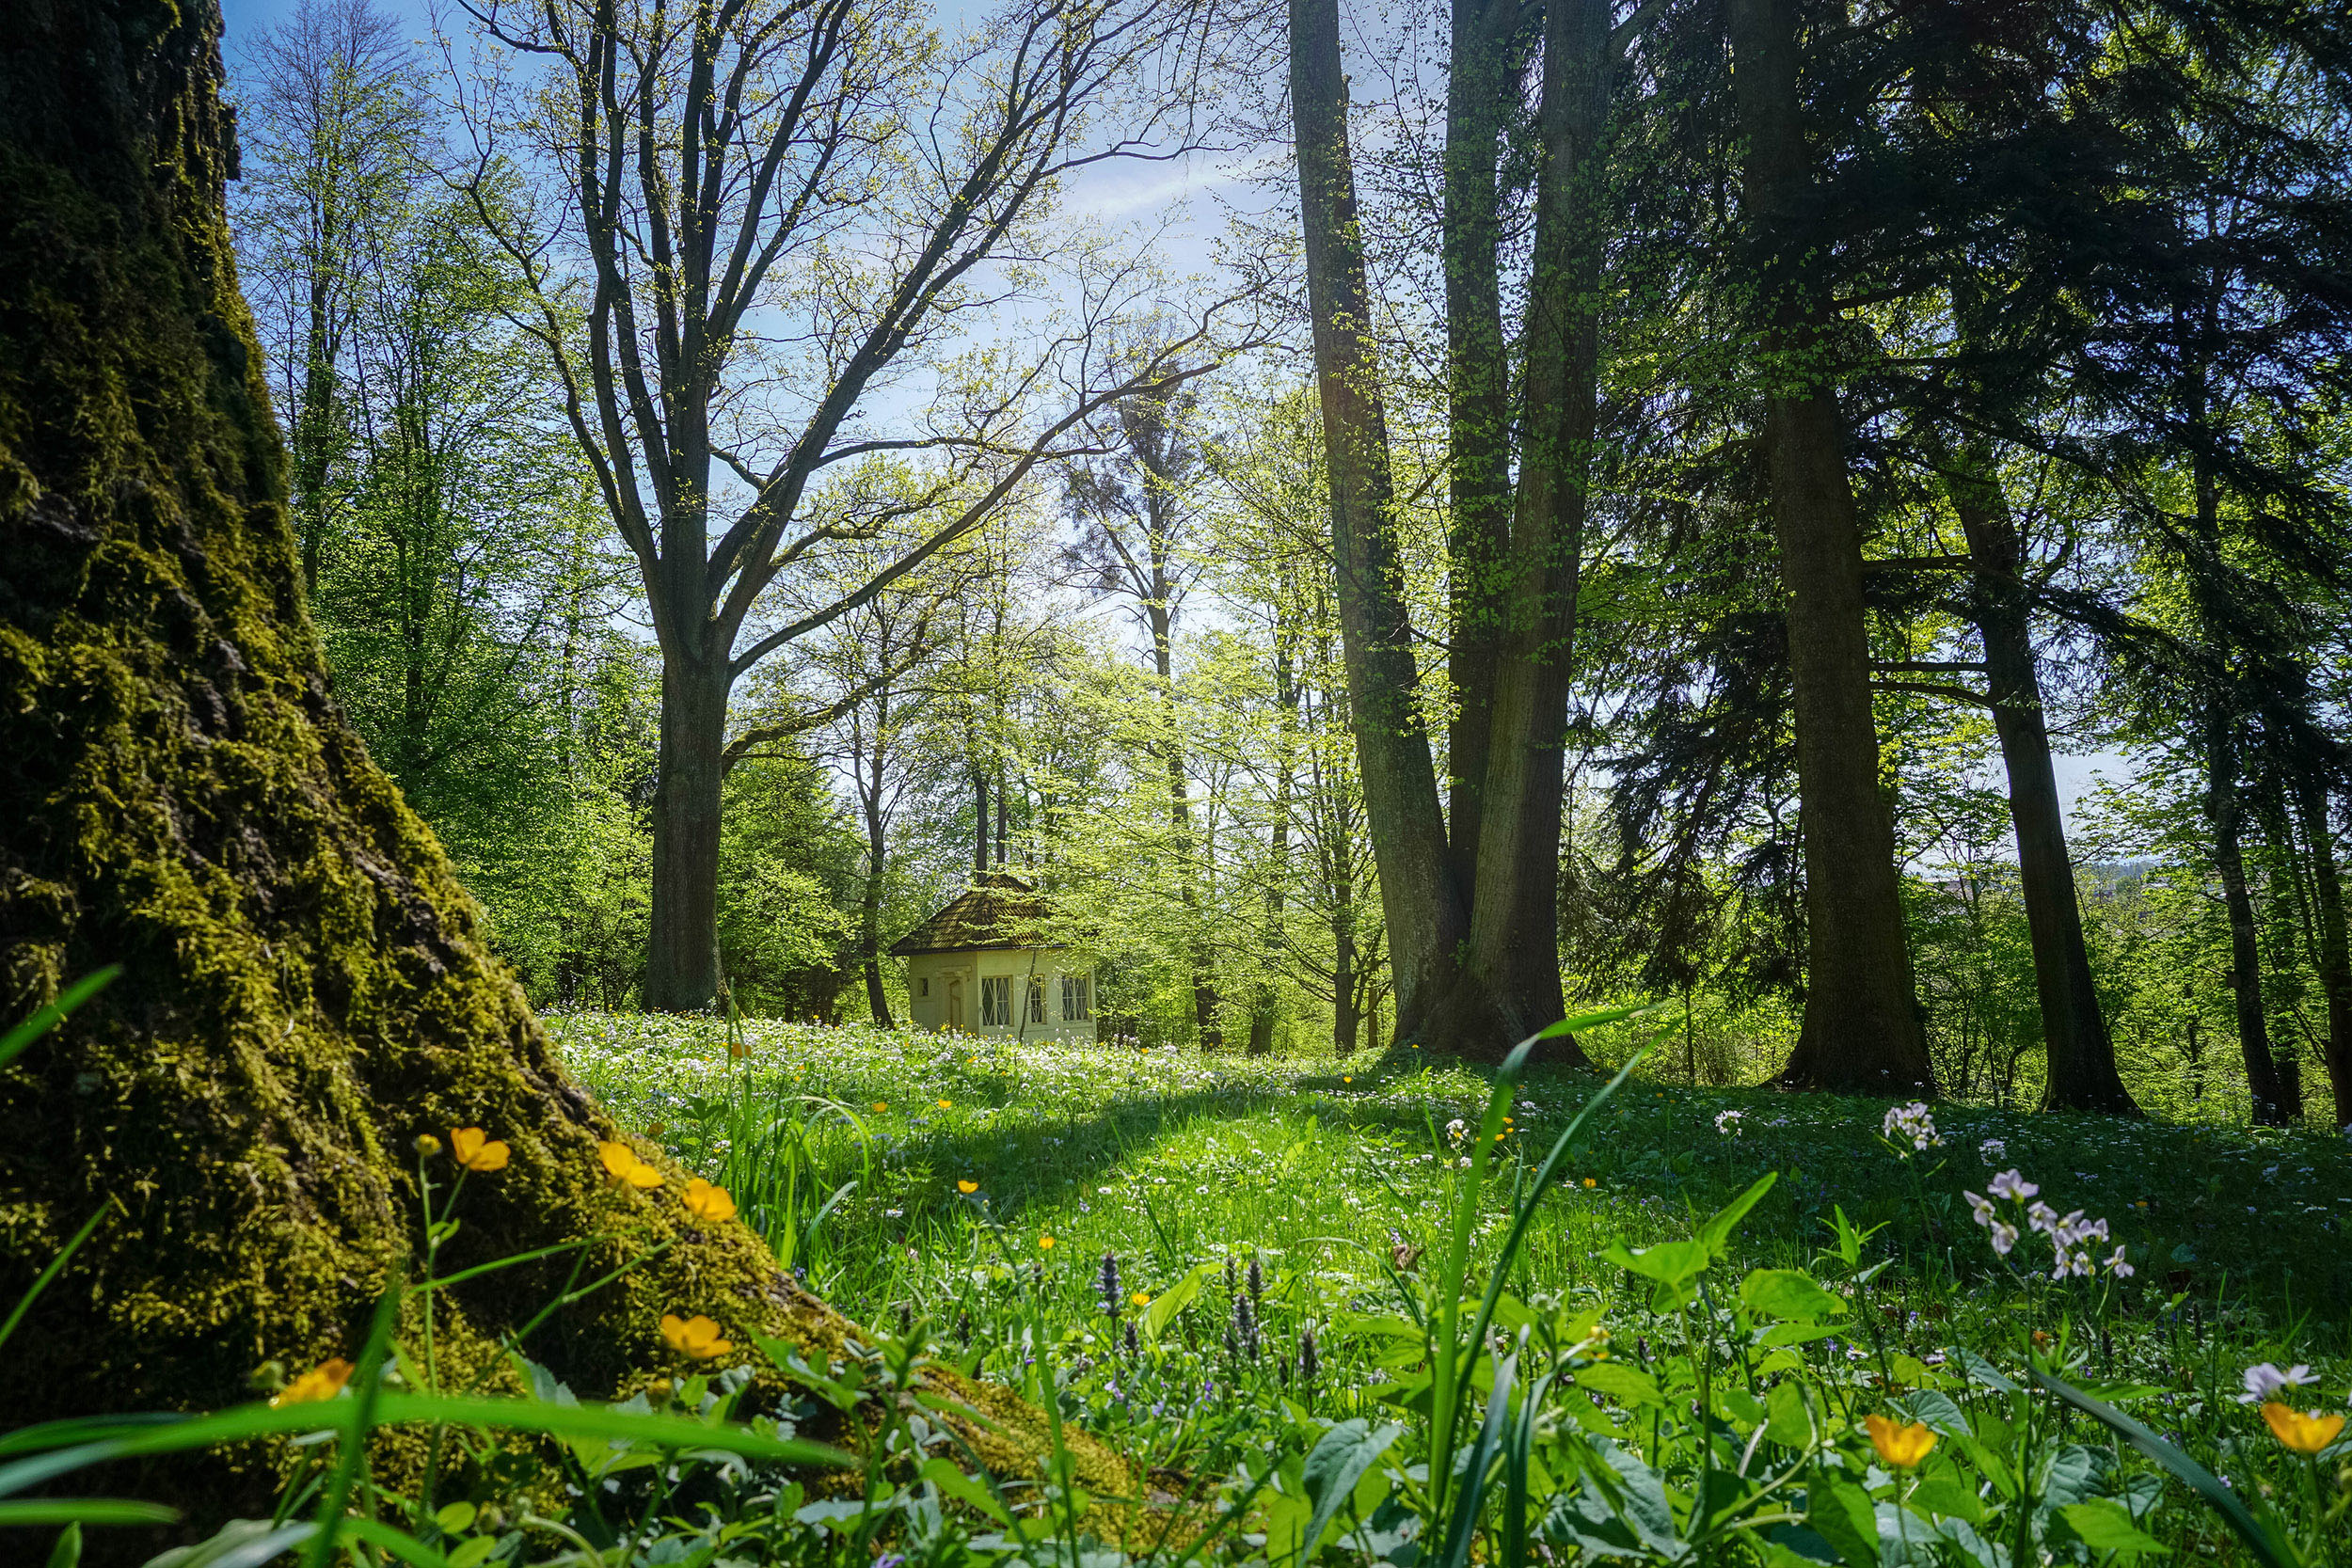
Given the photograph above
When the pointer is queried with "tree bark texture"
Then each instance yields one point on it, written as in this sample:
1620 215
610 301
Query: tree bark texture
1515 918
2274 1101
1860 1031
1419 897
2082 1071
682 939
305 990
1480 92
2333 952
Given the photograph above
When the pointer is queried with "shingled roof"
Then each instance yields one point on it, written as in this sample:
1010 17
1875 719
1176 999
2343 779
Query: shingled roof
999 910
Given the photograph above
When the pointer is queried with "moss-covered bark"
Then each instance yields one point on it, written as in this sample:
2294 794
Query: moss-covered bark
304 988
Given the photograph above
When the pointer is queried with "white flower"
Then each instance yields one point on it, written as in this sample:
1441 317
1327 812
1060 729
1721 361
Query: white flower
1466 1161
2012 1185
2265 1382
1456 1129
1993 1150
2004 1237
1728 1121
1983 1206
2117 1266
2042 1218
1911 1122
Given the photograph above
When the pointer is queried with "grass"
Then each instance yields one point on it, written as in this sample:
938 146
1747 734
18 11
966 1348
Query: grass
1338 1180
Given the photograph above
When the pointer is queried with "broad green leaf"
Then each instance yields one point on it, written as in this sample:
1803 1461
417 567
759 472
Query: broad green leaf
1628 1385
2195 1476
1340 1458
1668 1262
2105 1525
1171 1301
1787 1421
1840 1513
1789 1293
1947 1494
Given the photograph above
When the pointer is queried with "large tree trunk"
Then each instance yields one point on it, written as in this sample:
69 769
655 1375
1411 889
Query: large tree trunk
1513 962
2333 954
1861 1032
304 990
682 944
2082 1072
2276 1104
1482 87
1419 897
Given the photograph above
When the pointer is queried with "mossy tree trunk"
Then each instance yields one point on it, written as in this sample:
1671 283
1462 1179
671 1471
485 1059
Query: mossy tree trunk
304 987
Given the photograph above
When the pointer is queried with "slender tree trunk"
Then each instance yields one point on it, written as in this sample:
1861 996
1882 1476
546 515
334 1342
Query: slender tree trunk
1481 90
682 947
877 862
2082 1071
1861 1030
1421 902
2332 953
980 815
1264 1009
2274 1104
304 988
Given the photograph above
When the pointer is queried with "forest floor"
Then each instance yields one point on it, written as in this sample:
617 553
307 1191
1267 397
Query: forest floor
957 1161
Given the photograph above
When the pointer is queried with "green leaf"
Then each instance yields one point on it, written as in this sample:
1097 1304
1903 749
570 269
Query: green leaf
2195 1476
1716 1233
1668 1262
50 1014
1340 1458
1789 1293
2105 1525
953 1482
1789 1422
1840 1513
1595 1019
473 1551
1171 1301
456 1518
1946 1495
1628 1385
85 1511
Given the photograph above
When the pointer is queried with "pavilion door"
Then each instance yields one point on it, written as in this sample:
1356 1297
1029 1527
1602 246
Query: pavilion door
955 1007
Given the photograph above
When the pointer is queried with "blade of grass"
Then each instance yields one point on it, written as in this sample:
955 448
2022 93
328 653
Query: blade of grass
50 1014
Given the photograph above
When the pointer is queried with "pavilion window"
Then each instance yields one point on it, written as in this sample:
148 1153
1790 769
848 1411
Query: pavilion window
1074 1000
996 1002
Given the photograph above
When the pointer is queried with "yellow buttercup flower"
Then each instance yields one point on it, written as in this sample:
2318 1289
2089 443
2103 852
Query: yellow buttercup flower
945 1106
696 1337
881 1105
2301 1433
1590 1183
1902 1447
623 1165
705 1202
1046 1243
1141 1298
321 1382
475 1149
428 1145
967 1188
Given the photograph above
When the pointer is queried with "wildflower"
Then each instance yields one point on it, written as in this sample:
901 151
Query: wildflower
1347 1078
1590 1183
1992 1151
475 1149
2265 1382
1727 1122
428 1145
1983 1208
2302 1434
1455 1129
696 1337
2004 1237
881 1105
1911 1122
1046 1243
2012 1185
622 1163
1141 1298
968 1188
321 1382
1902 1447
705 1202
2118 1266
